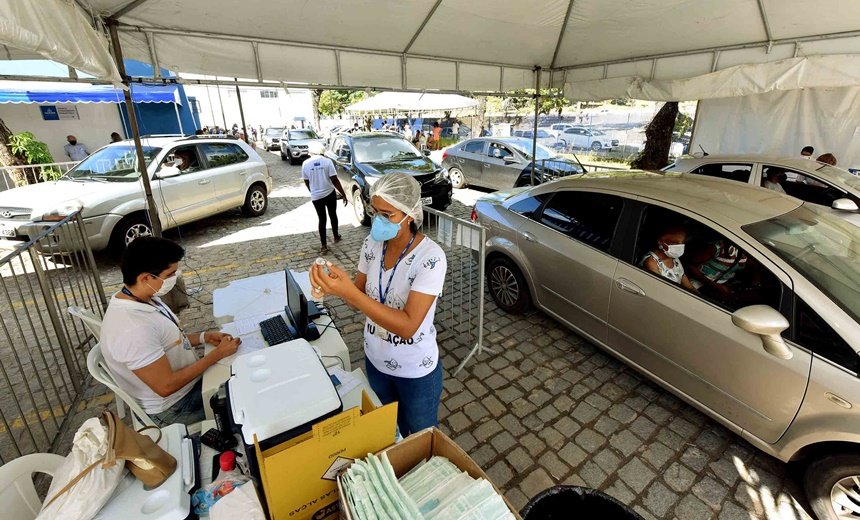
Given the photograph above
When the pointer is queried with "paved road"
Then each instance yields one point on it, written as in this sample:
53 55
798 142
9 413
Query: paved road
549 409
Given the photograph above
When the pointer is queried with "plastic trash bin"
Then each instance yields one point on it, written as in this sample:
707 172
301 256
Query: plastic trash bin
573 502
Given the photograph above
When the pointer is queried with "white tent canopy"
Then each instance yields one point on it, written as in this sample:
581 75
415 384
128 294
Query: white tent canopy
593 48
412 102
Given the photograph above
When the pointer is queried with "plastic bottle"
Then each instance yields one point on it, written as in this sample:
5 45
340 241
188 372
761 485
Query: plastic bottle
229 478
318 295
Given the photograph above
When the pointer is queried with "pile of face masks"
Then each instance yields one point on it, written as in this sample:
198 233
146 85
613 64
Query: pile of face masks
432 490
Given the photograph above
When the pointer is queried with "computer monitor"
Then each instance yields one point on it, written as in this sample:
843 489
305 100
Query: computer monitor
297 309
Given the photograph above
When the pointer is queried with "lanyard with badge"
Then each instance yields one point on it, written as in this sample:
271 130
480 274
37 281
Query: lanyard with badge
383 295
164 311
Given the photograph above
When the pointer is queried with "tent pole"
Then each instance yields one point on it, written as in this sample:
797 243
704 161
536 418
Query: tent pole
535 128
241 111
178 119
220 102
135 131
211 107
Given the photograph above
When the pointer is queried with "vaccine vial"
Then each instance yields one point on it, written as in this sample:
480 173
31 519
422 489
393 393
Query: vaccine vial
317 294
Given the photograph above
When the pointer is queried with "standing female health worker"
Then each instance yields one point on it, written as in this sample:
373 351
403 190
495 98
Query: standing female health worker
400 274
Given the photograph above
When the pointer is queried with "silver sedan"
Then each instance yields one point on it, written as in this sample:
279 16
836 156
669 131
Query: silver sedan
744 302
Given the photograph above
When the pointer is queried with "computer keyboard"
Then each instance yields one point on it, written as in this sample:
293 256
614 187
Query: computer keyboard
275 331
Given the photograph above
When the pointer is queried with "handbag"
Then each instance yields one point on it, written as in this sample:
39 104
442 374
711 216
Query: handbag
143 457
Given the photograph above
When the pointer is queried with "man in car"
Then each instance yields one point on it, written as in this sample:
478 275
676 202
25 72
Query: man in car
144 343
773 180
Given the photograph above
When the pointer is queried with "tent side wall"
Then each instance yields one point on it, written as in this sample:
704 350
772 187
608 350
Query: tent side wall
783 122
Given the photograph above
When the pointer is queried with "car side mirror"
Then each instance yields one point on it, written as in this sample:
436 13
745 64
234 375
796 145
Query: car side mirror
167 171
844 204
426 153
766 322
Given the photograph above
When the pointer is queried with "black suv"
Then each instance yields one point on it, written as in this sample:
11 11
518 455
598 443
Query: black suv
362 158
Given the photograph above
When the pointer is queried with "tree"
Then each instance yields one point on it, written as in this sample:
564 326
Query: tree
481 115
334 102
315 106
658 139
22 149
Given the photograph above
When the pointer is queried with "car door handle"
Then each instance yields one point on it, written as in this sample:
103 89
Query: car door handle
486 165
243 172
626 285
204 181
528 236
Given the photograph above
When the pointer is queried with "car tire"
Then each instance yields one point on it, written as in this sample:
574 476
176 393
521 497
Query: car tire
359 208
821 481
293 160
127 229
507 286
458 180
284 157
596 146
256 201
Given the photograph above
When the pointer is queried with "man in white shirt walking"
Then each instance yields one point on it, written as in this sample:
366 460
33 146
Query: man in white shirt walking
75 150
455 131
320 177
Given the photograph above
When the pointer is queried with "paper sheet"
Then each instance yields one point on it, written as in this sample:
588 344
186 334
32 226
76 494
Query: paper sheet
348 382
249 331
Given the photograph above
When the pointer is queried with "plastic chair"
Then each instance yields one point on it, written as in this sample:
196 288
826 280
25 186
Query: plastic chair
100 372
91 321
17 492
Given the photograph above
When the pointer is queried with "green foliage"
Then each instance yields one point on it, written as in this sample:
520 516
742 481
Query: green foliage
522 100
683 123
25 146
334 102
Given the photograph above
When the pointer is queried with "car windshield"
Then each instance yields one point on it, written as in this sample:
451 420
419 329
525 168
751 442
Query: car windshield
832 172
524 146
382 149
302 134
112 163
274 131
826 250
596 132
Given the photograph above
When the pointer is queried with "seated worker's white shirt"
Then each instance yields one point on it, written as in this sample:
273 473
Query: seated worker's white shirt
318 171
775 186
422 270
135 335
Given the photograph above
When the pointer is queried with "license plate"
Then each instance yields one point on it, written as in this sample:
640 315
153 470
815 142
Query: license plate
427 200
6 231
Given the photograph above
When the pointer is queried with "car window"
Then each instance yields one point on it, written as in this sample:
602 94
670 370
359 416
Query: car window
529 206
383 149
587 217
733 171
812 332
301 134
543 133
718 269
116 163
341 150
185 158
499 151
799 185
474 147
223 154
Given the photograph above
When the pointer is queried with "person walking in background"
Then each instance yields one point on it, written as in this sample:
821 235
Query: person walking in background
455 131
807 152
115 137
437 136
75 150
320 177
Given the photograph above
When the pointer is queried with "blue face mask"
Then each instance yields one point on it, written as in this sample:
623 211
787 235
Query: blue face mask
383 229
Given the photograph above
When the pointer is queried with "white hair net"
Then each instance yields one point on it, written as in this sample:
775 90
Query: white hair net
401 191
316 148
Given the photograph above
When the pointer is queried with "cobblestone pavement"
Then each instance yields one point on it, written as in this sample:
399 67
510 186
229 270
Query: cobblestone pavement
549 409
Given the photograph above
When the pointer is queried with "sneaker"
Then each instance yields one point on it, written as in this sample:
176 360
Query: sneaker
323 250
337 238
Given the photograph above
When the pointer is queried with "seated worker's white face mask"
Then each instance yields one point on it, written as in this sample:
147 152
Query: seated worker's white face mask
168 284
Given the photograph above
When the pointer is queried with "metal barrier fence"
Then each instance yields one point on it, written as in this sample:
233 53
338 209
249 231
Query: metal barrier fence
43 349
37 172
460 309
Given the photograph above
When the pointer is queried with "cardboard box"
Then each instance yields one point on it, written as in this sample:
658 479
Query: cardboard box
406 454
299 476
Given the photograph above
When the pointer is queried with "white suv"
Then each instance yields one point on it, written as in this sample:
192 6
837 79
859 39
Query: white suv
191 177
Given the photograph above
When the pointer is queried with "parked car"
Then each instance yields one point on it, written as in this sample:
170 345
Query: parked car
215 175
587 138
502 163
556 129
805 179
361 158
543 137
448 132
294 144
775 359
272 137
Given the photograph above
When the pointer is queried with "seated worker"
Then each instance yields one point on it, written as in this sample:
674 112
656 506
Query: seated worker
144 344
773 180
664 261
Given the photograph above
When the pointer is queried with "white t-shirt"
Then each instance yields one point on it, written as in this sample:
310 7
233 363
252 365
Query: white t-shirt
775 186
135 335
421 270
319 170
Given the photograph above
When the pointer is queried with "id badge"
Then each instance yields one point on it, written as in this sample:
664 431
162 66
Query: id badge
186 343
380 332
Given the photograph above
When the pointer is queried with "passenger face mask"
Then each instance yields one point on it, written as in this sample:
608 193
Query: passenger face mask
674 250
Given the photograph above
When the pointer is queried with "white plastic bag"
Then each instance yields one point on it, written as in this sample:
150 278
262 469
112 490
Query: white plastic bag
88 495
242 502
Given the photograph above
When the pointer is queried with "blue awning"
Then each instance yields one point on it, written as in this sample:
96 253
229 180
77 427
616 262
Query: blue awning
72 93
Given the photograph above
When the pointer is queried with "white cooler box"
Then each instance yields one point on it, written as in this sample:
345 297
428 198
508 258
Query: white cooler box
279 393
169 501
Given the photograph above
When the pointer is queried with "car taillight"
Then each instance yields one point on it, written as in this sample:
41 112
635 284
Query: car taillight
444 154
474 214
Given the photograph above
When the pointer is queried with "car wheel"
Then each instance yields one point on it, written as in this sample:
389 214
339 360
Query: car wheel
128 229
256 201
283 157
359 208
457 178
596 146
293 160
832 486
507 286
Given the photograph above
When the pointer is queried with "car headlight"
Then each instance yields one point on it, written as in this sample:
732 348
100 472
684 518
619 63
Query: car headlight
57 214
371 180
442 174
